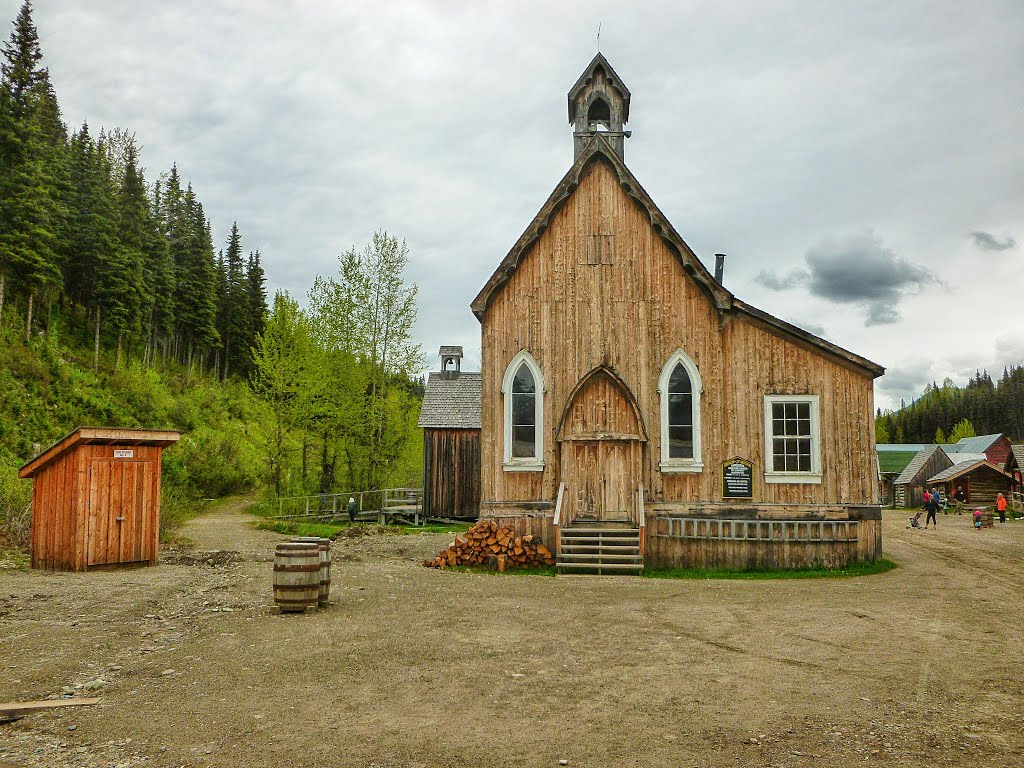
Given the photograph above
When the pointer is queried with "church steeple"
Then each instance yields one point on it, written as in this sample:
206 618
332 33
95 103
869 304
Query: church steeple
599 103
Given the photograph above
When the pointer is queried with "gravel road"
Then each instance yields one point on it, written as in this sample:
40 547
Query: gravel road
415 668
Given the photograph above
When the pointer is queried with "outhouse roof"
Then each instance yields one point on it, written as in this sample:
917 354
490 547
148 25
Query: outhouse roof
452 400
964 467
99 436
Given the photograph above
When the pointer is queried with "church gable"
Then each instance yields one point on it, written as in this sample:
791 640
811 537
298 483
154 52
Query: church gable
607 189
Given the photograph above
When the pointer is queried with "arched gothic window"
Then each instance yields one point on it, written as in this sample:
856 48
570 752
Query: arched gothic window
523 388
680 388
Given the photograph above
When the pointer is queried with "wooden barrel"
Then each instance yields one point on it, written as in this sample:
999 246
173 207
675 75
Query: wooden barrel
325 565
986 519
296 575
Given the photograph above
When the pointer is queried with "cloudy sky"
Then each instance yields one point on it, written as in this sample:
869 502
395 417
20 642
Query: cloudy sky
861 163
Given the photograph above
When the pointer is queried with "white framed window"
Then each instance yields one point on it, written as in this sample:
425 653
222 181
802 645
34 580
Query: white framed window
792 450
680 388
523 390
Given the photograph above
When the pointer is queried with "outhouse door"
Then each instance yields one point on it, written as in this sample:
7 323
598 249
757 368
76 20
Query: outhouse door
120 511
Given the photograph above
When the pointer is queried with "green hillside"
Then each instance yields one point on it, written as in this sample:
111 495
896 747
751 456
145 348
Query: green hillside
48 389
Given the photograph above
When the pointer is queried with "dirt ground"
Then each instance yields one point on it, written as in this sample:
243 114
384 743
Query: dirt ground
412 667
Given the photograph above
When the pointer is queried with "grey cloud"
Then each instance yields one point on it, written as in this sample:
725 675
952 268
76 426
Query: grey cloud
882 314
989 242
856 269
1009 350
781 282
905 383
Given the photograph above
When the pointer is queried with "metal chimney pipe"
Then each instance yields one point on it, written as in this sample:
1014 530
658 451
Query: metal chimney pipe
719 267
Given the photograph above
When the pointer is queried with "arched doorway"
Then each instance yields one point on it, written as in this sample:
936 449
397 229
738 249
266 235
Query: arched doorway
601 438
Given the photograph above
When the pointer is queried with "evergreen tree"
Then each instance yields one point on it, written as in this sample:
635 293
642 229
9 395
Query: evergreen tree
196 273
255 307
234 319
29 204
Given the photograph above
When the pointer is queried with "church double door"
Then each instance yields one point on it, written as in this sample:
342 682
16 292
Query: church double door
600 479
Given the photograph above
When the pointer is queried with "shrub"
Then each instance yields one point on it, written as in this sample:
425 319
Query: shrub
15 507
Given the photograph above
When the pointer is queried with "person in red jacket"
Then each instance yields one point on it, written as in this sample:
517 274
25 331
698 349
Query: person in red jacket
1001 507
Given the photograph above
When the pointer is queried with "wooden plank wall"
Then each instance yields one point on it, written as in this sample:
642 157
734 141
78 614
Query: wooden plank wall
913 492
70 534
983 485
57 533
667 551
601 407
631 315
451 465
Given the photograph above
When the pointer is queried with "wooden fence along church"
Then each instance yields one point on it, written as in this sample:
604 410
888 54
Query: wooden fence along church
633 411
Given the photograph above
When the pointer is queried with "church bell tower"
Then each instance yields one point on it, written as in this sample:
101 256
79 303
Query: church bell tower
599 104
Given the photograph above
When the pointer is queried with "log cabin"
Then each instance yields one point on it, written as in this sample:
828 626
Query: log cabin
635 413
981 481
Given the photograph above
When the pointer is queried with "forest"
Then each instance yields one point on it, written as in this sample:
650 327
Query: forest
988 406
118 309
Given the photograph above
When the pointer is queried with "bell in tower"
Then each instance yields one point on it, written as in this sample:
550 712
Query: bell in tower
599 104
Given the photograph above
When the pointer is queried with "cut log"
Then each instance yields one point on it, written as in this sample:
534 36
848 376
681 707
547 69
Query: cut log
24 707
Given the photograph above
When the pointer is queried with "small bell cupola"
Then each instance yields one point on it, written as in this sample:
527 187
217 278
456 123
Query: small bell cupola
451 356
599 104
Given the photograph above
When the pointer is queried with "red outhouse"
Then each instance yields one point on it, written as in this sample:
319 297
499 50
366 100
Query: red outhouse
96 499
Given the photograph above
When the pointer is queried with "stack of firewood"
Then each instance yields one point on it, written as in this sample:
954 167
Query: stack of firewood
488 544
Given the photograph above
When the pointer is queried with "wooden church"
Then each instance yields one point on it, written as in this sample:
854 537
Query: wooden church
635 413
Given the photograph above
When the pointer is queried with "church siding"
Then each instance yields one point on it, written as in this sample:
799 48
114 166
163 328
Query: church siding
631 315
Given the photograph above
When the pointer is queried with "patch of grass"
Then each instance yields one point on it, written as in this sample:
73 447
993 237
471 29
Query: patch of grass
15 559
434 528
857 569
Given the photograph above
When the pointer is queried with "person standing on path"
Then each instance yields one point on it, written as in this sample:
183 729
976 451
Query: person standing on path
932 506
351 509
1001 507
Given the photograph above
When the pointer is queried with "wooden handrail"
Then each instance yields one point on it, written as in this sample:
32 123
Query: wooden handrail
558 505
642 517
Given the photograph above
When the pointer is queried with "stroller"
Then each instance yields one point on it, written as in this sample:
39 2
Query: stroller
915 521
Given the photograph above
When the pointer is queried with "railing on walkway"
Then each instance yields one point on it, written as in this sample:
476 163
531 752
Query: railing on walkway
382 503
788 531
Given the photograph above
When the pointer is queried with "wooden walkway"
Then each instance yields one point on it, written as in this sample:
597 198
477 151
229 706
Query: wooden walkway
382 505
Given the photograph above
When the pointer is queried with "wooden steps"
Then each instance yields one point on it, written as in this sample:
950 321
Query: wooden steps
600 549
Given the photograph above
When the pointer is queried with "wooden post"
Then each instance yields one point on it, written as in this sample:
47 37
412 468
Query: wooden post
642 516
557 521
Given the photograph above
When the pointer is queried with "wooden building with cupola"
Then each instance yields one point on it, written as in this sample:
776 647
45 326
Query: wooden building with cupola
634 412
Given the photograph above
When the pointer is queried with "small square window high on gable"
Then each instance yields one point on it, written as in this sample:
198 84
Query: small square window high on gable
600 249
